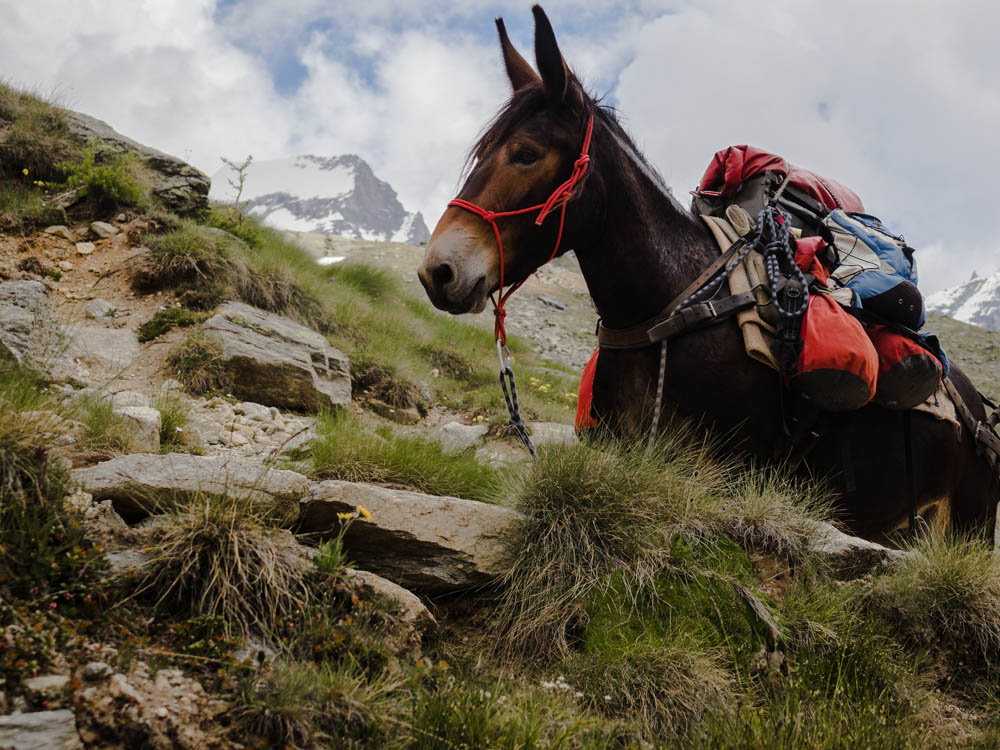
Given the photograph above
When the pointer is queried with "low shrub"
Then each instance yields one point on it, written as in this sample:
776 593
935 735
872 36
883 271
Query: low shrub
104 176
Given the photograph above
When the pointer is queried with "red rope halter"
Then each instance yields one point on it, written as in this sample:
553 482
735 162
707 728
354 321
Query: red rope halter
560 196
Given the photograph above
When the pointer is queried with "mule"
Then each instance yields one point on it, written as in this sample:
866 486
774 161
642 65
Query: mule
638 247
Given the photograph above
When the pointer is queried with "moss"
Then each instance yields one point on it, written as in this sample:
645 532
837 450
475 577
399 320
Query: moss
165 320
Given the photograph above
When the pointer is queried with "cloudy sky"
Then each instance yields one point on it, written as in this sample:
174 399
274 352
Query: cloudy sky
899 100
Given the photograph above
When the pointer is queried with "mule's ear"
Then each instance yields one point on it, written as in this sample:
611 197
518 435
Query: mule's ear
519 71
555 74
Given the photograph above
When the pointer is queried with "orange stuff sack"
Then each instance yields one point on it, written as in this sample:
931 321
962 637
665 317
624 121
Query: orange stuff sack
585 396
908 374
838 367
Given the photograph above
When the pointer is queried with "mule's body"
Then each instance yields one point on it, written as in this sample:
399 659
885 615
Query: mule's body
638 248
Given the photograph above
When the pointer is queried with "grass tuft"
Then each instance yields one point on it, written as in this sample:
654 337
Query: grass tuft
344 449
219 556
165 320
945 597
197 363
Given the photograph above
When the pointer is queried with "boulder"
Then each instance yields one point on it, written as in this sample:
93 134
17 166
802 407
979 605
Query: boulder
97 353
146 423
85 248
275 361
849 556
46 687
423 542
121 399
139 483
179 186
456 436
29 334
41 730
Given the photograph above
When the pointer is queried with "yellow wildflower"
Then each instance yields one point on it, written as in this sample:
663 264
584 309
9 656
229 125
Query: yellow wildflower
345 516
25 171
365 514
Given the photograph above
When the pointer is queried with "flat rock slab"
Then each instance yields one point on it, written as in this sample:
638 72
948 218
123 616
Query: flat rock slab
29 334
140 483
41 730
422 542
275 361
97 353
411 610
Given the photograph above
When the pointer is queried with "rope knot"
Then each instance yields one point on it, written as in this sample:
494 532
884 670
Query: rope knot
582 162
489 215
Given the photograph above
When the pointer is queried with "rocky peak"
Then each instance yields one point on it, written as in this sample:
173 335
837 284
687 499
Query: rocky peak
975 301
338 195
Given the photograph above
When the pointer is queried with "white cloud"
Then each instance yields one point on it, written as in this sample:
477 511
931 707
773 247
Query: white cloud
899 101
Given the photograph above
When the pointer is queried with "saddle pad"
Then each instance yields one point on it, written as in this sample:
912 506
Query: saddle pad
758 335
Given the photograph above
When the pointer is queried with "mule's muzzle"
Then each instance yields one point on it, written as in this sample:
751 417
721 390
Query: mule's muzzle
455 274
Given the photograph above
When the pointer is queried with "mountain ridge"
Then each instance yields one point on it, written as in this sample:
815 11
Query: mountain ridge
338 195
976 301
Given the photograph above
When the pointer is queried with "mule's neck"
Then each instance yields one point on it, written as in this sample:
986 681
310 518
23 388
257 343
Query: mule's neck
642 248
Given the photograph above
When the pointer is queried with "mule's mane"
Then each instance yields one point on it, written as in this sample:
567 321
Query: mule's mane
530 101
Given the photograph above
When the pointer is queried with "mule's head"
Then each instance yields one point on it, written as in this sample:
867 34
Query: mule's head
527 152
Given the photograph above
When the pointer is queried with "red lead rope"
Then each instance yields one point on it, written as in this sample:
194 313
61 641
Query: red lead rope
560 196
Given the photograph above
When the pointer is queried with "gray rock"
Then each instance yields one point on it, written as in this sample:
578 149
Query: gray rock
99 309
551 433
179 186
275 361
849 556
65 266
46 687
97 353
103 230
121 399
146 423
96 671
60 230
410 610
140 483
256 412
126 562
29 334
85 248
41 730
397 414
456 436
437 544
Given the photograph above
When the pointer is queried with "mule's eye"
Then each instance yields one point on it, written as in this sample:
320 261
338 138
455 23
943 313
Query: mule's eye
524 156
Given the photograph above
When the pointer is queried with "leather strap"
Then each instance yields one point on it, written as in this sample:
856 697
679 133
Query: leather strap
982 432
690 318
636 337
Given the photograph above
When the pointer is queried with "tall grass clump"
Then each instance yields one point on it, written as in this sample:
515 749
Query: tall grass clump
590 513
103 429
344 449
315 705
103 176
221 556
34 134
944 596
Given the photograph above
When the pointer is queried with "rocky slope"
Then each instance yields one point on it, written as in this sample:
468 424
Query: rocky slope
975 301
338 195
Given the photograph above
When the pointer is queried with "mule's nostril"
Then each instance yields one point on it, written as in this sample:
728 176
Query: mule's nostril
442 274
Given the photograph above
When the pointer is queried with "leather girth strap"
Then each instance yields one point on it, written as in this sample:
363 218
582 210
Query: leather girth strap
669 322
987 441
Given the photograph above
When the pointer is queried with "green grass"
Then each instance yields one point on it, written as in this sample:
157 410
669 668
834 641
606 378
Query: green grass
104 430
974 349
105 177
344 449
174 415
196 361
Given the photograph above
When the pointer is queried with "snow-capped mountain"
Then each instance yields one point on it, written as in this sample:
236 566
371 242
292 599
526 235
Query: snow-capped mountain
976 301
338 195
